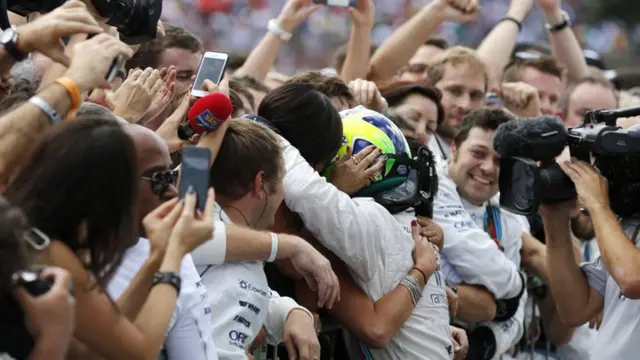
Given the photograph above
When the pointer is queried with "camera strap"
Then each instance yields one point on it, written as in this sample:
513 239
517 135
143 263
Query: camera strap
492 224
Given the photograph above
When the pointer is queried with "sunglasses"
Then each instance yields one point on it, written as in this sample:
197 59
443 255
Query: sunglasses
523 56
161 181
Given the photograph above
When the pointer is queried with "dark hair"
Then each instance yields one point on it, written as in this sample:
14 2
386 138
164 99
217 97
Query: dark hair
439 42
236 90
79 187
254 146
21 92
94 111
485 118
545 64
397 92
148 55
252 83
340 56
306 118
331 86
236 60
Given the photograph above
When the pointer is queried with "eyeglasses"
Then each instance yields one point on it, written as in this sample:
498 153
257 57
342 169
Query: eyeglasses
161 181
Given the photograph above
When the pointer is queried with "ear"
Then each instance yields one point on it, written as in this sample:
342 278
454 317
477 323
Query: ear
258 185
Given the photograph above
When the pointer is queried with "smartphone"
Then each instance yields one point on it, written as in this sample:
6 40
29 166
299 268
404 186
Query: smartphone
212 67
336 3
30 280
194 172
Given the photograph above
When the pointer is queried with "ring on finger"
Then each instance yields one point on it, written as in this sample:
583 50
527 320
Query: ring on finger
355 160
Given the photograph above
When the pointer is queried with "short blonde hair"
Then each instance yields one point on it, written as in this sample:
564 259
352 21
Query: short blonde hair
456 56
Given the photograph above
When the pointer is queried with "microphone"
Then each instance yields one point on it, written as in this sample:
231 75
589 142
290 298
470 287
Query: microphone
206 114
540 138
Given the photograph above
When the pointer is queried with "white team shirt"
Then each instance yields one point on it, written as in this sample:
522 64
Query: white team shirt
189 336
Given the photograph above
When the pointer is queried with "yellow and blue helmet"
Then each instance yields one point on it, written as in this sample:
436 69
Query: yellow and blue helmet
363 127
404 181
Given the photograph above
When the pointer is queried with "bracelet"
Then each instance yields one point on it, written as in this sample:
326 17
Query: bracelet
512 19
423 274
74 93
168 278
47 109
274 248
277 30
413 286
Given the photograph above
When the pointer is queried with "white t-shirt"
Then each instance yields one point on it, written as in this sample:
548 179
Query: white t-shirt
189 336
244 303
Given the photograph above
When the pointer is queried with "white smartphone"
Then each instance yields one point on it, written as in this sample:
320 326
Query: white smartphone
212 67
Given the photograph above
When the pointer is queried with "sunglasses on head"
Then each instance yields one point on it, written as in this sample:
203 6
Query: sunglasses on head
161 181
416 68
523 56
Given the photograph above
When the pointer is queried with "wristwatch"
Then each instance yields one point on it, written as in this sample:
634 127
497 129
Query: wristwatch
566 22
169 278
9 39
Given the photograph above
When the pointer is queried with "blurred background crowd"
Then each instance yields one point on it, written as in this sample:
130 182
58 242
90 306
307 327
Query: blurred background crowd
238 25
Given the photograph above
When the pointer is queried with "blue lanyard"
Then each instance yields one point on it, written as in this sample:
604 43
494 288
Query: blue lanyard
492 216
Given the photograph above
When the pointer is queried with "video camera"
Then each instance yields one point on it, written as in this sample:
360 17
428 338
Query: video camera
529 174
136 20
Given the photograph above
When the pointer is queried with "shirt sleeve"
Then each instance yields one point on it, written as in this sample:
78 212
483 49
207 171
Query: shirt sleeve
508 333
324 209
470 250
596 275
278 311
190 336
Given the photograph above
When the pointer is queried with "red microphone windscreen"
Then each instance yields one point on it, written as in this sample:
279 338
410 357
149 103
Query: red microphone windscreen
213 110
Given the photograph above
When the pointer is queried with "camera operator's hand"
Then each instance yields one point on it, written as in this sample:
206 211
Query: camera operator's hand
44 34
460 11
317 272
521 99
353 172
133 98
592 188
51 316
92 59
367 94
295 12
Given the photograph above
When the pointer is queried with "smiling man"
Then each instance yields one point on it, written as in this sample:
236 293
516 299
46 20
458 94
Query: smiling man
481 253
462 78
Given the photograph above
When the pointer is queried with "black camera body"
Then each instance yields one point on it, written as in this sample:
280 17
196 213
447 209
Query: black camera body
30 280
136 20
529 174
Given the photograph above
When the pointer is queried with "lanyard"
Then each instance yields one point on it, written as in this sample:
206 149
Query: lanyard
492 224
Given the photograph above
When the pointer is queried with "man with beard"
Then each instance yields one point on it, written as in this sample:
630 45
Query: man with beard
463 79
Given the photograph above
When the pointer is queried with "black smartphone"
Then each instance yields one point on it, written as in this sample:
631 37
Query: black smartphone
194 172
30 280
212 67
336 3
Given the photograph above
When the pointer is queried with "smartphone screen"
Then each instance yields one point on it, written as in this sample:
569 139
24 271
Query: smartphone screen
194 172
212 67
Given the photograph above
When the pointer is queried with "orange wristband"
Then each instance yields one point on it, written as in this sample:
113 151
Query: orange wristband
74 93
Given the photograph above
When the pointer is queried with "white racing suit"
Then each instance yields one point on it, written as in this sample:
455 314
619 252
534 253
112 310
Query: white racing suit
470 256
378 252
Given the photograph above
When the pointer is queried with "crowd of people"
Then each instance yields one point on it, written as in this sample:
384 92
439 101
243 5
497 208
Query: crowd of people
351 213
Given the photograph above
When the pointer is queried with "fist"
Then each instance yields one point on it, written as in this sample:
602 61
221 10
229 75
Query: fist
521 99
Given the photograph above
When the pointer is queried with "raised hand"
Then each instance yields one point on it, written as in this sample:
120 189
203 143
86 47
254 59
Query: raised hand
163 97
44 34
521 99
159 223
133 98
363 14
460 11
168 131
549 5
295 12
92 59
367 94
193 228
